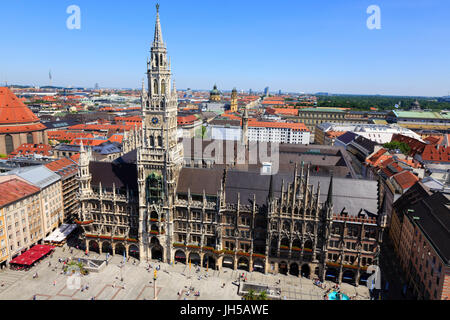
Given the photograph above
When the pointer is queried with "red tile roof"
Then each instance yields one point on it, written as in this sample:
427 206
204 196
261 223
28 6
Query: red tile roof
64 135
116 138
377 157
63 167
186 120
335 134
105 127
14 190
75 157
436 154
434 140
416 146
405 179
286 111
31 149
287 125
15 116
88 142
13 110
127 120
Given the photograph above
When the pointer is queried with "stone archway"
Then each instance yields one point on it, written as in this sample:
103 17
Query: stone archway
258 265
93 246
348 276
283 268
243 264
194 258
120 249
306 270
331 274
209 262
228 262
157 253
133 251
106 247
293 269
180 256
363 278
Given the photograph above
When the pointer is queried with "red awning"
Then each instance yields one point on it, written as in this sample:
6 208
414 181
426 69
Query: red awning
32 255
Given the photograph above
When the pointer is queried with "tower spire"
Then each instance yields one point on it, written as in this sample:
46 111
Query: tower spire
271 188
158 41
330 191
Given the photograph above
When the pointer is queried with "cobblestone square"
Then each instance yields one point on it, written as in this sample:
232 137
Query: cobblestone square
137 284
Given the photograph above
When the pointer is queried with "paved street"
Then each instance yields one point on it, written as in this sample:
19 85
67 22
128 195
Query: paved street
138 282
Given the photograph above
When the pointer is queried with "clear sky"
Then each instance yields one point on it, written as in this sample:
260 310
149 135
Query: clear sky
293 45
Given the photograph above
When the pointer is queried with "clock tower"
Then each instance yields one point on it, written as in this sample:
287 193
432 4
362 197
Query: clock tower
160 157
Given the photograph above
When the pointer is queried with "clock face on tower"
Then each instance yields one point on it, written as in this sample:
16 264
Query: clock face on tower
155 121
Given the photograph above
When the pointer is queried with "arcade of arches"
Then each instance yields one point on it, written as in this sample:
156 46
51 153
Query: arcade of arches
218 262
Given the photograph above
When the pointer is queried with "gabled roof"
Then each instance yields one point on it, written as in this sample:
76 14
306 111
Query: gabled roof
15 189
405 179
64 167
378 157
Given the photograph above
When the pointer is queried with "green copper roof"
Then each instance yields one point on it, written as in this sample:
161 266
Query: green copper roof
421 114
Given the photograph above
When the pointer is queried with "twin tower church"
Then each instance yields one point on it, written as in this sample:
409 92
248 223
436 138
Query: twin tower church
151 205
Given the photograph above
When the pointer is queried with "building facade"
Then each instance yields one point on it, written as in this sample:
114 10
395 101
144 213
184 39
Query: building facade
20 209
420 238
146 204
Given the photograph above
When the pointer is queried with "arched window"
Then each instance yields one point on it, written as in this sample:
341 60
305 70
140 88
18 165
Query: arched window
160 144
9 144
155 87
161 60
152 141
156 60
30 138
163 87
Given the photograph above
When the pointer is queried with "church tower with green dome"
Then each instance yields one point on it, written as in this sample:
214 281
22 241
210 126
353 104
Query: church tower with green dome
215 95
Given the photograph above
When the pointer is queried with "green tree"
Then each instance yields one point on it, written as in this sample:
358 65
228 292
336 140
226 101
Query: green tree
397 145
251 295
262 295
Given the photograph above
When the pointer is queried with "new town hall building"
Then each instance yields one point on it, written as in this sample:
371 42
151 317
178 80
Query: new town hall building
151 205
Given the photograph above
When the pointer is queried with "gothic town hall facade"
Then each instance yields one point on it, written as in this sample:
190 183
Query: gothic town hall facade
150 205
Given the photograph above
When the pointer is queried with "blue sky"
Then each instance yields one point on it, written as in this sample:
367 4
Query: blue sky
301 45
